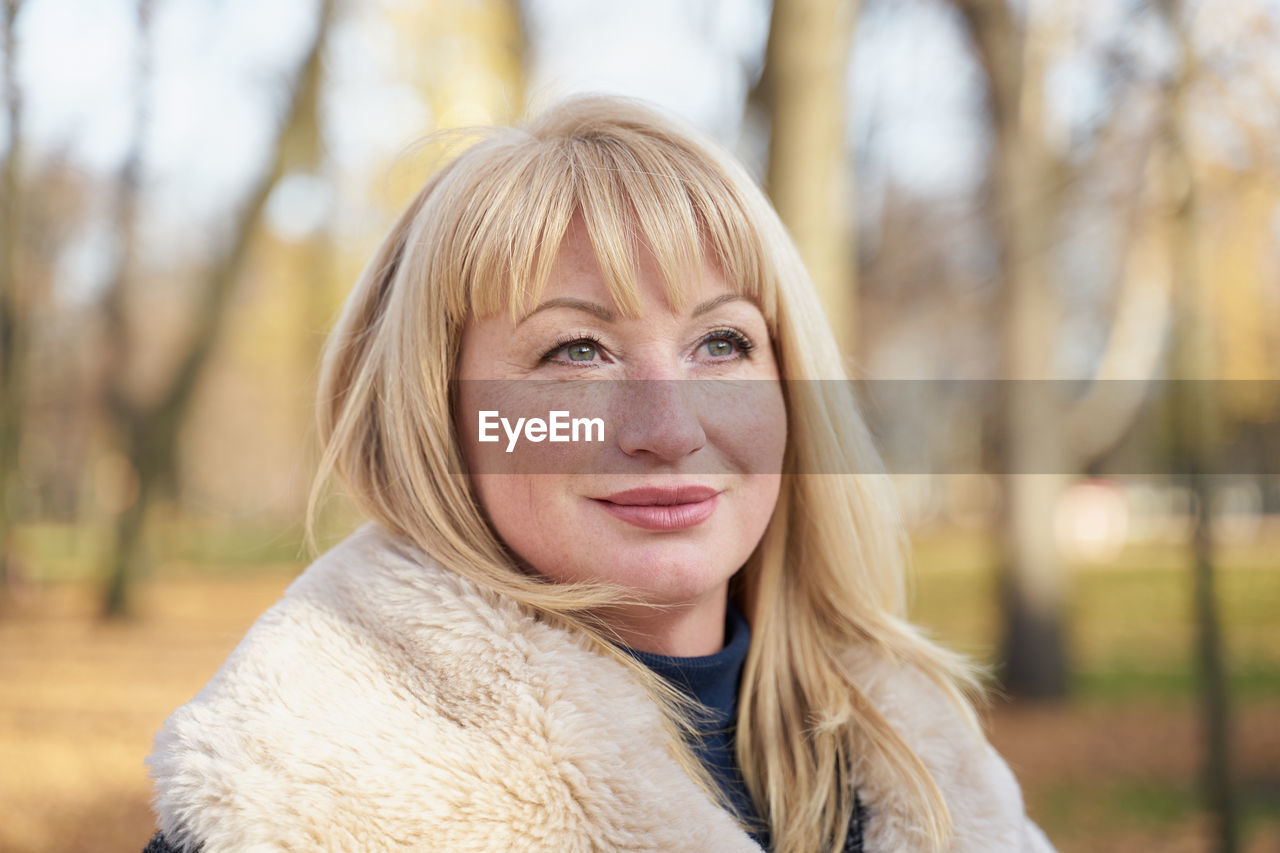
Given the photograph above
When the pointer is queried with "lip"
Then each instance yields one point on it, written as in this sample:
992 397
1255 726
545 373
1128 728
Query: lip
662 508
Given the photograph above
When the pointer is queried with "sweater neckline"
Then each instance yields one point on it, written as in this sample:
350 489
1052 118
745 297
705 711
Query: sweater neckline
711 680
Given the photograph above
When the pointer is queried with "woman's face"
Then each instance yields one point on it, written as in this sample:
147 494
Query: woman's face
668 493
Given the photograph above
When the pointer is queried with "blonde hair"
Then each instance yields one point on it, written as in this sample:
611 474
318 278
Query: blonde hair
828 574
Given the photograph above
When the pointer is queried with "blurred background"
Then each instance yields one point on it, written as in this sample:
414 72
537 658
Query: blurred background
992 191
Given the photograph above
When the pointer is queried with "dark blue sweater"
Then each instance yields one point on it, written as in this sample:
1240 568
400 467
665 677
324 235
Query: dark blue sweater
713 682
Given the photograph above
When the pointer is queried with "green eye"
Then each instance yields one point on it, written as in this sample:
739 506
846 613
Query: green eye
581 349
719 347
725 345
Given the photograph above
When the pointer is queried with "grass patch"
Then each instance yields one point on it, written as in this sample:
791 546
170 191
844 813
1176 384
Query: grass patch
1133 683
57 553
1067 810
1079 811
1131 632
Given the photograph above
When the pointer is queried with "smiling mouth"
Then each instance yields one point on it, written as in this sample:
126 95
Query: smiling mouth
659 508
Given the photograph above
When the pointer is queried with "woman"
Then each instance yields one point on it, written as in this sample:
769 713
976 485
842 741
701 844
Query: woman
607 599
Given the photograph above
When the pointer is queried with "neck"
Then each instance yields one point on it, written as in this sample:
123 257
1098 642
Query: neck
690 630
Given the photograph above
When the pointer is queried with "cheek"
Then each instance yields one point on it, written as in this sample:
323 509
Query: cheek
517 505
528 494
748 424
760 500
773 431
539 517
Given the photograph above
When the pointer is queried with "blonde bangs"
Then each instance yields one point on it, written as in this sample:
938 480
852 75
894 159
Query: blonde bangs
635 191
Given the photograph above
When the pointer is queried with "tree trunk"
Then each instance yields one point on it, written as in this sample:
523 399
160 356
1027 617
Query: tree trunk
809 177
1033 659
1194 411
1033 647
129 550
152 430
14 325
1194 428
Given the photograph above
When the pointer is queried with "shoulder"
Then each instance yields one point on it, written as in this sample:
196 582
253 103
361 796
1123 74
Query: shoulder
387 700
981 792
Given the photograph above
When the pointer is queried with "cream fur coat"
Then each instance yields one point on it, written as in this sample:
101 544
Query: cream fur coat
385 703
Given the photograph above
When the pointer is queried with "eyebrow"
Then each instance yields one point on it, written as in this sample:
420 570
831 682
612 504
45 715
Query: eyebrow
712 304
597 310
592 308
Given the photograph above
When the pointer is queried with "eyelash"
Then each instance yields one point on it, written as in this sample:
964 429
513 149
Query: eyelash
741 341
569 340
744 344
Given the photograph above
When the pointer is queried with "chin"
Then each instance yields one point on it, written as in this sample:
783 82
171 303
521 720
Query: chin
669 575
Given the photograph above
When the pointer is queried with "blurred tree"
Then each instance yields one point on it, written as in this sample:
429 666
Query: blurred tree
464 62
1011 54
57 413
14 326
1239 190
468 62
149 430
809 179
1015 45
1043 440
468 59
1194 410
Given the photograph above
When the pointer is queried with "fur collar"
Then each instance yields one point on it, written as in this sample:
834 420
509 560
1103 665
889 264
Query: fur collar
387 703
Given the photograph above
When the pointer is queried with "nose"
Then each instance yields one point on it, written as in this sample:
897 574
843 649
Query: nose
660 419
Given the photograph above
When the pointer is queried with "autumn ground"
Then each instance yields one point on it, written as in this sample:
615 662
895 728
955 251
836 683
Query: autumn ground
1113 770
